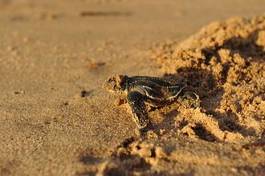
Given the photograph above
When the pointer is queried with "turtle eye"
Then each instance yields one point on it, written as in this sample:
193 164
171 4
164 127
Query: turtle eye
123 86
123 83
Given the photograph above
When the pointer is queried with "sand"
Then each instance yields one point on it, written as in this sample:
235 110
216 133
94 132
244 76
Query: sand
56 119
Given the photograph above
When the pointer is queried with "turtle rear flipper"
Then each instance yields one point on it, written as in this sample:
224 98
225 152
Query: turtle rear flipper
175 91
136 101
190 99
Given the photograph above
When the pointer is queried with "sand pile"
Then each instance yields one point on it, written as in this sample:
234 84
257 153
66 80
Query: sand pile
225 64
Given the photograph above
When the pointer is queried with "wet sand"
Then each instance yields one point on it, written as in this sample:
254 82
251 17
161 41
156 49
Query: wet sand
56 119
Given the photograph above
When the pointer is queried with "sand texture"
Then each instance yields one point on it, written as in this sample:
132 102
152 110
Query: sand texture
224 63
56 119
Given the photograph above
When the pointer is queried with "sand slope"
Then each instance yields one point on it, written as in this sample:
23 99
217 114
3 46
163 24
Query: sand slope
224 63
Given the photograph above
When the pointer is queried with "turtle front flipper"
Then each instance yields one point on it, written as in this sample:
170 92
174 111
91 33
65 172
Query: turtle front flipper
136 101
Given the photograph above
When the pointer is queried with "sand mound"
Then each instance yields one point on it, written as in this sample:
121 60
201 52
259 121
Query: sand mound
225 65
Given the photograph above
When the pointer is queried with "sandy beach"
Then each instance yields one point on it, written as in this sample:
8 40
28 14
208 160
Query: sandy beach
57 119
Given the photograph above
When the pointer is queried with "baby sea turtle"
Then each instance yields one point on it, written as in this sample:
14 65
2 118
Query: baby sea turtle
142 90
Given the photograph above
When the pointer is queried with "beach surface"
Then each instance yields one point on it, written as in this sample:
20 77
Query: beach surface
57 119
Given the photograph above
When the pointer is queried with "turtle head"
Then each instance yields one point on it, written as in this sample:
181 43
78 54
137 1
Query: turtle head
116 83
